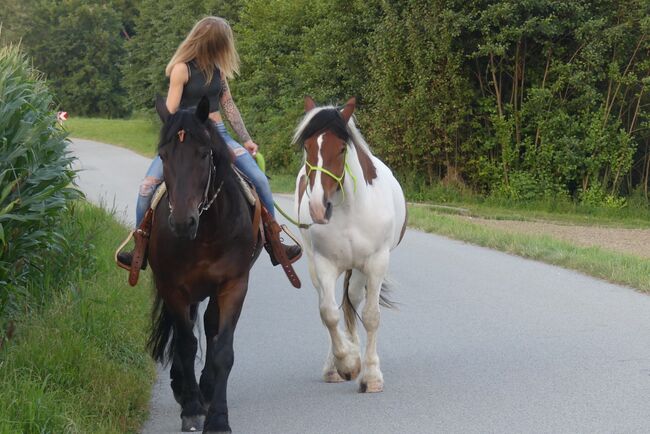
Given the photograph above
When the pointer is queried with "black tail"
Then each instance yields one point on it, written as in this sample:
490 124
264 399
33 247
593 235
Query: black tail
161 341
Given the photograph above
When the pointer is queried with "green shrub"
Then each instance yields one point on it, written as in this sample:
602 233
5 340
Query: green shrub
35 182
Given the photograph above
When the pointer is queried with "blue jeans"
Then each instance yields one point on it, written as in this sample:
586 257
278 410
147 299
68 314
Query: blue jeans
244 162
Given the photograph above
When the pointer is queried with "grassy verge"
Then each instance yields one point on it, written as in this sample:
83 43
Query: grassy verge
78 364
139 135
614 267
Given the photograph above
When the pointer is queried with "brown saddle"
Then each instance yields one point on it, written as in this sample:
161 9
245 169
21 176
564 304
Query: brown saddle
261 226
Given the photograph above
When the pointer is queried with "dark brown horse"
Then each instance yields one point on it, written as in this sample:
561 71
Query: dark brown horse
202 245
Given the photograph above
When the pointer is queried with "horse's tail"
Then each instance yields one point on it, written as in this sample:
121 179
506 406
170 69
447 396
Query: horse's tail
349 313
162 328
387 287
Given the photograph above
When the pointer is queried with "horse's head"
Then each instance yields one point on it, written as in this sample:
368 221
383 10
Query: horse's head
324 136
188 151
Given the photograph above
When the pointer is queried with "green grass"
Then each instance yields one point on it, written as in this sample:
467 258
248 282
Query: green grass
139 134
78 364
613 267
282 182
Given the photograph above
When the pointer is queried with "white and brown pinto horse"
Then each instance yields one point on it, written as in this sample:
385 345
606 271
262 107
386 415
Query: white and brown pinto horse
358 215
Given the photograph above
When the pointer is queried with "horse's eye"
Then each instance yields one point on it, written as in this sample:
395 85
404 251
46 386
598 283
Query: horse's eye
162 156
343 150
205 155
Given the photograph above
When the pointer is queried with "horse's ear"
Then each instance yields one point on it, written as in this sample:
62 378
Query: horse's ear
309 103
348 109
161 108
203 109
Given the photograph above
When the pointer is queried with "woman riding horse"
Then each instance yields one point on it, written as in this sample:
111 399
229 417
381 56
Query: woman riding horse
200 67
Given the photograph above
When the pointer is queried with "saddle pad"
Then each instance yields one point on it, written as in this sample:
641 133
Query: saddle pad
158 195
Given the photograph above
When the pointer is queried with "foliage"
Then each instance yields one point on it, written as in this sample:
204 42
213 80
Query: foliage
159 28
35 177
77 44
77 365
522 100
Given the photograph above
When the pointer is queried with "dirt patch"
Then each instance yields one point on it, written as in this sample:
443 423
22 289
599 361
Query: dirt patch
632 241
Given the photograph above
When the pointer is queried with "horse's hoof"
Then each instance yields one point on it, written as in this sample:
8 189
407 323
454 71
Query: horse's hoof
371 387
332 377
351 373
193 423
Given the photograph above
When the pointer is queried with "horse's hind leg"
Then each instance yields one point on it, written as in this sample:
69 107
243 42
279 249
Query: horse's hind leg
353 296
372 379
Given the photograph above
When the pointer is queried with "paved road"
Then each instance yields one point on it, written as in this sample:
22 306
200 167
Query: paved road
483 342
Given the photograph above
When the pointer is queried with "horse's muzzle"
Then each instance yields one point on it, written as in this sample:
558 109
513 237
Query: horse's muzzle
185 228
319 213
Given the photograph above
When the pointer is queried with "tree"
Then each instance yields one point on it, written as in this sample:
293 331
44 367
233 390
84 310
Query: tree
158 30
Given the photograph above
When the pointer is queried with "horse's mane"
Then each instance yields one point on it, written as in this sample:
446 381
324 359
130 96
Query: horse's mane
329 118
187 121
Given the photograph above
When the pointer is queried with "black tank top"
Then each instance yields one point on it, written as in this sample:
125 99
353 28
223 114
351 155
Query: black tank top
196 88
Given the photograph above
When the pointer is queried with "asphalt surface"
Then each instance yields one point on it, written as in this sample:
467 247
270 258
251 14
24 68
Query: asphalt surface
484 342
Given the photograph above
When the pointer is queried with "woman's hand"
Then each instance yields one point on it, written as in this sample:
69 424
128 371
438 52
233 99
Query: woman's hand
251 147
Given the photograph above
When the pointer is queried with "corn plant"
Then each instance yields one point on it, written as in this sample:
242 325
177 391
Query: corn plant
35 182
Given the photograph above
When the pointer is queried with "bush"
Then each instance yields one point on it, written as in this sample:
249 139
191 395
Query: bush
35 183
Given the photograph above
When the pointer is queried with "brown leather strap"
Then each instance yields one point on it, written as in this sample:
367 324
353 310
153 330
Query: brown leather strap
141 238
275 248
257 216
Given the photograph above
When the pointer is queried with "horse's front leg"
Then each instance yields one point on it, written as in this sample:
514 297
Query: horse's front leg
230 301
343 361
372 379
192 413
211 327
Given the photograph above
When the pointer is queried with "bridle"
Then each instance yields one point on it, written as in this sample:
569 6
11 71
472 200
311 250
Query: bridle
205 204
338 178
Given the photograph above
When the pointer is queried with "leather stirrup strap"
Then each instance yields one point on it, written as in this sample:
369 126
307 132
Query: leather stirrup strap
141 238
273 243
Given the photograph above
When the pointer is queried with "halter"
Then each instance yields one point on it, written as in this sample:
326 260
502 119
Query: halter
201 207
338 179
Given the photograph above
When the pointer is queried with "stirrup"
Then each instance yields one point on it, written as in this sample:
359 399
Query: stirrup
141 237
274 247
119 249
291 235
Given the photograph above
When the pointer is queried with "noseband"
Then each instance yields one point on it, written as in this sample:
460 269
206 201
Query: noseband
205 204
339 179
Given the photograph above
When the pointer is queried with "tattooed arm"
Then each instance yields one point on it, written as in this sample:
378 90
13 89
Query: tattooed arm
234 117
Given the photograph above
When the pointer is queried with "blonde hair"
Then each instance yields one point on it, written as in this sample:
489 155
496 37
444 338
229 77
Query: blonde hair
210 43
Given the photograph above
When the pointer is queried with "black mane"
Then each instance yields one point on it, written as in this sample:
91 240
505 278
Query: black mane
326 119
195 131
